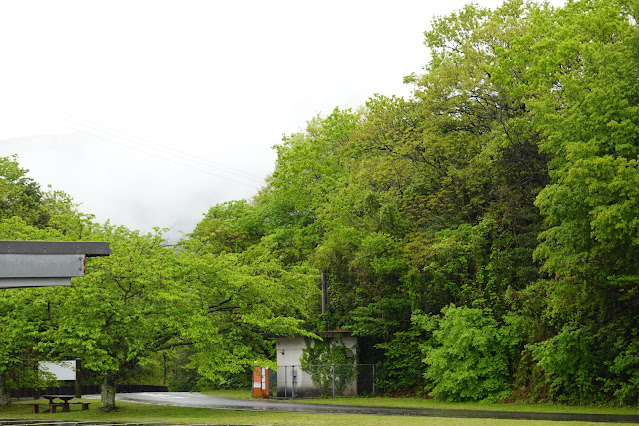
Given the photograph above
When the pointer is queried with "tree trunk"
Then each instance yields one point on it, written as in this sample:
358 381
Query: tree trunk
5 396
107 388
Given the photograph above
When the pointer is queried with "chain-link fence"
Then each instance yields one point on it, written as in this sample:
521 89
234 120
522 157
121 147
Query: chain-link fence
330 380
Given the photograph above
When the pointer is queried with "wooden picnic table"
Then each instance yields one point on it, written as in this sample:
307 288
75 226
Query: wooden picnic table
53 406
65 400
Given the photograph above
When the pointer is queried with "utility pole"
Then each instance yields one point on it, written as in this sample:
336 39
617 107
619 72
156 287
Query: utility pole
324 298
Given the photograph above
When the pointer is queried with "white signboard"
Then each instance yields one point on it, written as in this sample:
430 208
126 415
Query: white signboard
62 370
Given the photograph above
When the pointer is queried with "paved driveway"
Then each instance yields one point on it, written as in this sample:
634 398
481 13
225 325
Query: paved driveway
189 399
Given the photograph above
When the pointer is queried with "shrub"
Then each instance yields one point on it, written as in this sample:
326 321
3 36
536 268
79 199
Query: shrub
568 362
470 356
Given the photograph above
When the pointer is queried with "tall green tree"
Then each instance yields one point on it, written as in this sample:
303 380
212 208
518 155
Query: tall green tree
233 300
590 123
121 313
307 172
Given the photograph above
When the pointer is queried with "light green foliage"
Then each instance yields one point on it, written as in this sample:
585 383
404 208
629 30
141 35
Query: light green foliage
239 288
470 355
229 228
328 363
569 363
218 293
307 171
591 206
232 299
589 118
15 228
379 256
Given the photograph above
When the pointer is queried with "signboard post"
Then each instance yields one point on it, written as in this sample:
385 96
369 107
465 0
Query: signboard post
78 378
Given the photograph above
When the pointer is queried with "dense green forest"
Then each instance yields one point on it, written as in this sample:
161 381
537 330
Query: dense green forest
480 237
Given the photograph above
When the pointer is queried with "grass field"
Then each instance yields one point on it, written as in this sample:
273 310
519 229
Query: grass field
138 413
435 404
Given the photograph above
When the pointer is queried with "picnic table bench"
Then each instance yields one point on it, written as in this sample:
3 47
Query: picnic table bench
53 406
35 407
85 405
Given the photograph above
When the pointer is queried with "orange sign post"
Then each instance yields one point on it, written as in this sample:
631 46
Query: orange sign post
260 382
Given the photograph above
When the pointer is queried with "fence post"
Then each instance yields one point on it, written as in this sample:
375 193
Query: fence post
293 378
333 380
373 379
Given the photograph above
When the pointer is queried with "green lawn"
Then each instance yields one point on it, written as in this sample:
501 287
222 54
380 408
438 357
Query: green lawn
435 404
130 412
230 393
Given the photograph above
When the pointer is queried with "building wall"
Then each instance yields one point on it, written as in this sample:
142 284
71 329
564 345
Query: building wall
289 353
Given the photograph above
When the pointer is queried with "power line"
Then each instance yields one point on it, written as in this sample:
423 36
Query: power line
203 170
110 135
168 150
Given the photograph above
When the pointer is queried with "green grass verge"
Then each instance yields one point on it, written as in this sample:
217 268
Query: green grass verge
139 413
432 403
231 393
415 402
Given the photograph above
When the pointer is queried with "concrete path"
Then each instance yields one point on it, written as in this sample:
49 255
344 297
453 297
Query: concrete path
188 399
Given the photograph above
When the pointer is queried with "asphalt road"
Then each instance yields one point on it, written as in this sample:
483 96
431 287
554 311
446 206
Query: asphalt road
188 399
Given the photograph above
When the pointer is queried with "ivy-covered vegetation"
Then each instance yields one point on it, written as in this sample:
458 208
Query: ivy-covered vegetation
480 238
331 365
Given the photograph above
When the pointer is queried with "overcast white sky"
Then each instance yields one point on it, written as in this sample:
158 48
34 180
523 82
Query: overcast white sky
150 112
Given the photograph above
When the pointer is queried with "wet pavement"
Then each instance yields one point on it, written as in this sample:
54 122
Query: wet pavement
197 400
188 399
